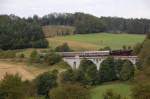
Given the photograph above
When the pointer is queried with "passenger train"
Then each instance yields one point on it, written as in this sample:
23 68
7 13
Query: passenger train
97 53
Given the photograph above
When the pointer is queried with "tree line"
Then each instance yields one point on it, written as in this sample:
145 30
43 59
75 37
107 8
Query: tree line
17 33
86 23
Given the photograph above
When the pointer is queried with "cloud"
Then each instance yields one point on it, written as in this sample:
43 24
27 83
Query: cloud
121 8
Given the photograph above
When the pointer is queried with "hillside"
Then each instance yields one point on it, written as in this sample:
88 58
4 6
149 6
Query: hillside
57 30
121 88
97 41
26 71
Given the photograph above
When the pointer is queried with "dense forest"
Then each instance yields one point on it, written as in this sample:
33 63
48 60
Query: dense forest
17 33
86 23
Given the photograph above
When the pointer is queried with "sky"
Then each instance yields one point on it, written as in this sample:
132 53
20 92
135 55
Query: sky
119 8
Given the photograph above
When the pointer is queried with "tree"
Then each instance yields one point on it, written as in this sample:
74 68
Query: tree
137 48
89 71
12 87
52 58
69 91
127 71
63 48
45 82
118 66
20 33
73 76
34 57
107 70
141 91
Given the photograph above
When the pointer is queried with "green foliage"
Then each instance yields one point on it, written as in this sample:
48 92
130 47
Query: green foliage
86 74
145 49
21 55
45 82
12 87
118 88
141 91
86 23
89 71
118 66
127 71
52 58
17 33
63 48
109 94
137 48
105 48
7 54
69 91
34 57
107 70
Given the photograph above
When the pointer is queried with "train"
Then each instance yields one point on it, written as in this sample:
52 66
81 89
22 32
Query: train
97 53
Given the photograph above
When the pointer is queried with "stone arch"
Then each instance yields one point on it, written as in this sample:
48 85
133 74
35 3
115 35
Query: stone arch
86 61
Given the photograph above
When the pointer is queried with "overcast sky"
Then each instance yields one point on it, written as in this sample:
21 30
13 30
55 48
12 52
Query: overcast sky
120 8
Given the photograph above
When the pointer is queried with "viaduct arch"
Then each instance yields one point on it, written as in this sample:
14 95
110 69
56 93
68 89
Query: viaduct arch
97 57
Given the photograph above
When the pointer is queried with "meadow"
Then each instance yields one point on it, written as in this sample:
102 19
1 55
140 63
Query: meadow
119 88
97 41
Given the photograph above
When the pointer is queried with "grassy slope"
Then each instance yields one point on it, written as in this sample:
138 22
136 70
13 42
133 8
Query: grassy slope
96 41
123 89
26 71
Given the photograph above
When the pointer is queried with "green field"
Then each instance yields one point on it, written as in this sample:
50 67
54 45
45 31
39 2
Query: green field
97 41
123 89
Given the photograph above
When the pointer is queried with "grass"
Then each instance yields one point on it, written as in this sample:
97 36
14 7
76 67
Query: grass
25 70
97 41
120 88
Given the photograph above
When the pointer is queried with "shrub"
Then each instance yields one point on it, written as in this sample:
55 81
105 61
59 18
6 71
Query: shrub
12 87
89 71
63 48
7 54
109 94
52 58
69 91
45 82
34 57
107 70
127 71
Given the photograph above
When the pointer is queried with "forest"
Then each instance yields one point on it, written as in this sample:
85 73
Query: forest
17 33
86 23
20 33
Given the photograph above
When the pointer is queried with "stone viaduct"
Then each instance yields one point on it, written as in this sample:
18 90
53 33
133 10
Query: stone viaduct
97 57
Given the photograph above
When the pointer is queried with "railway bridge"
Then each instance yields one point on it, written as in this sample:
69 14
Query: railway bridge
97 57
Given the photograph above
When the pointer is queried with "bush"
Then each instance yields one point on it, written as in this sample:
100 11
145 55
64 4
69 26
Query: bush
45 82
105 48
7 54
12 87
127 71
63 48
52 58
34 57
107 70
109 94
69 91
89 71
141 91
